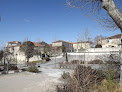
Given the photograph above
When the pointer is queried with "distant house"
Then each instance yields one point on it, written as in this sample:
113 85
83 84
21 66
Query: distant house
13 43
42 43
60 45
113 41
20 56
79 46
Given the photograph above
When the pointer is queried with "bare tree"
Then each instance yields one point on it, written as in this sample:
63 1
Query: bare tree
84 37
8 58
96 5
1 56
98 40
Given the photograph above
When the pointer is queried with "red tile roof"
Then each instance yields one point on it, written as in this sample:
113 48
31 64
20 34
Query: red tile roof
81 42
37 44
13 41
60 41
115 36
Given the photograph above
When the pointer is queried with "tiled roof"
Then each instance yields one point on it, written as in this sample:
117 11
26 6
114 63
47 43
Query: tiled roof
115 36
81 42
13 41
37 44
74 42
60 41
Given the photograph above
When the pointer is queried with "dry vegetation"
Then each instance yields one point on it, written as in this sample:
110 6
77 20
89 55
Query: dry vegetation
86 79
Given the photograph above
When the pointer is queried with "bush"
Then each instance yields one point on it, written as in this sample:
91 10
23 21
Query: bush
31 64
40 61
82 80
109 84
75 62
108 87
47 58
65 75
33 69
82 62
13 67
60 64
97 61
98 46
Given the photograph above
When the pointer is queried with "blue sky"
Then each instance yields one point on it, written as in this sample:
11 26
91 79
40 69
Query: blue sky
44 20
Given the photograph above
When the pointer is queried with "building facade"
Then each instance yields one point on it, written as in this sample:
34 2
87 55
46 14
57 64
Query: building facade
19 56
13 43
109 42
61 45
80 46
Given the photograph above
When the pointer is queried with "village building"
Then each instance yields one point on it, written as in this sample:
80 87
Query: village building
61 46
80 46
110 42
14 48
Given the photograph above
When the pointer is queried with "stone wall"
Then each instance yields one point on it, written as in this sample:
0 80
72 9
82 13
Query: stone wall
92 54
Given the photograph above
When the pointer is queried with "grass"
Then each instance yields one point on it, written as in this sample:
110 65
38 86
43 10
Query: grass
40 61
33 69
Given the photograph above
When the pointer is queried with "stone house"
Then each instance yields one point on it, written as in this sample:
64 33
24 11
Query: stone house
79 46
13 43
113 41
19 56
60 44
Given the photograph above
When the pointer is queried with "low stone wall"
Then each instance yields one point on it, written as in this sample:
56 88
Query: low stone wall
21 59
102 49
92 54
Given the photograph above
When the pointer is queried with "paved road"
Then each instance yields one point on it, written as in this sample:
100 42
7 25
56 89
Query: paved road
52 68
45 81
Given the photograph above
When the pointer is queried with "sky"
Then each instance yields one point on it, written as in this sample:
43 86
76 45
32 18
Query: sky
45 20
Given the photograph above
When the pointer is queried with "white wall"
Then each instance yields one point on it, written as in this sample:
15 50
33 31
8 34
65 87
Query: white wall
92 54
21 59
57 44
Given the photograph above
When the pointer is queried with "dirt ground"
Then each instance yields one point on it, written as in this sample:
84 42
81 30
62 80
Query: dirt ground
45 81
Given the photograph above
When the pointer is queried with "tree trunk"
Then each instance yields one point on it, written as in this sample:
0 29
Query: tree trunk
27 61
115 14
113 11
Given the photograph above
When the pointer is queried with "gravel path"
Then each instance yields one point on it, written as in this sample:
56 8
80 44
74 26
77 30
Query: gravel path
45 81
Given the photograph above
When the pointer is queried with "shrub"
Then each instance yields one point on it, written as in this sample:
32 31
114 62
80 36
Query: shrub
66 57
46 58
60 64
40 61
13 67
82 80
98 46
33 69
65 75
108 87
31 64
97 61
82 62
109 84
75 61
